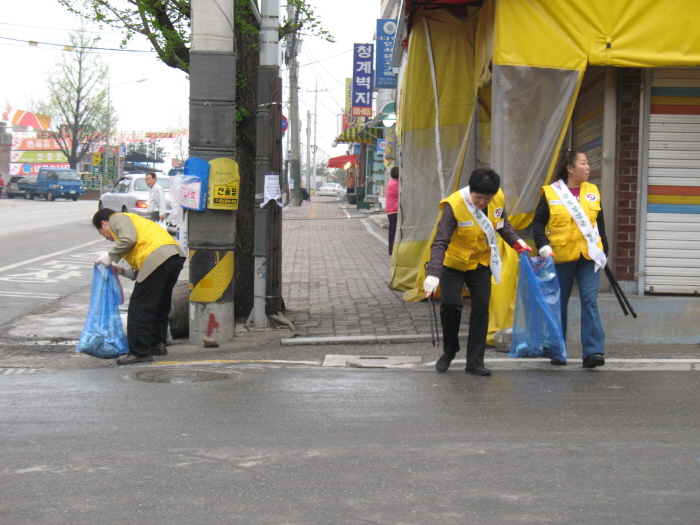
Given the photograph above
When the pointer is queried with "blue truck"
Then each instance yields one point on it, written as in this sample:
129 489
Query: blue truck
52 183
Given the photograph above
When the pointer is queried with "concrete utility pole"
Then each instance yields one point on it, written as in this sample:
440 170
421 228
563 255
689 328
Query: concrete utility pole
295 172
308 151
315 130
267 286
212 135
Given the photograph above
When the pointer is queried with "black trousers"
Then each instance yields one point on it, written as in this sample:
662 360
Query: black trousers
478 282
149 307
393 217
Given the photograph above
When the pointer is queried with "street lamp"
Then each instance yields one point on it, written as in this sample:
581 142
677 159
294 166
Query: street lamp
105 160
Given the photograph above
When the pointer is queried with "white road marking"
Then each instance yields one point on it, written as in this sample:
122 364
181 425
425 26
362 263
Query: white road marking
29 295
15 371
50 255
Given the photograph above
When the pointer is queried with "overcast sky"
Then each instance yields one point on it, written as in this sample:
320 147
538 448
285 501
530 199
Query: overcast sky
161 102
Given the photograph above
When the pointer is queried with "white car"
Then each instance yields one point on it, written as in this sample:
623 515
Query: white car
332 189
130 194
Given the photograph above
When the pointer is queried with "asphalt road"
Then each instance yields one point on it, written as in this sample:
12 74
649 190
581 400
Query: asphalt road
290 445
48 251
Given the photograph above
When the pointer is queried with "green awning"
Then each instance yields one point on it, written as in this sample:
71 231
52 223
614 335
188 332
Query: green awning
378 121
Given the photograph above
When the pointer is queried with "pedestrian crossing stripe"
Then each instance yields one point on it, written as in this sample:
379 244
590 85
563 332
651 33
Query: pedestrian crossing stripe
17 371
211 276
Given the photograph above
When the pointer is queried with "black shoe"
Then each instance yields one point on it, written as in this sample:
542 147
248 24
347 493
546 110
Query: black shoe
557 362
594 360
130 359
443 363
478 370
159 349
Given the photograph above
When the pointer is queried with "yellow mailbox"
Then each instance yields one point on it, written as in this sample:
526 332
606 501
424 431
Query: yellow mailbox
224 185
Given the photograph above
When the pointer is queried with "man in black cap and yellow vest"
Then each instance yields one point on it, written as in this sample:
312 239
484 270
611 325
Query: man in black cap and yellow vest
156 261
464 251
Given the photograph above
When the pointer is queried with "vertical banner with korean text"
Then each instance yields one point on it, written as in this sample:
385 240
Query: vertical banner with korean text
362 80
386 33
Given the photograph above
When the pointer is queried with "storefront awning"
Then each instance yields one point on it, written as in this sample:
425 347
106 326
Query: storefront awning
340 162
357 135
388 113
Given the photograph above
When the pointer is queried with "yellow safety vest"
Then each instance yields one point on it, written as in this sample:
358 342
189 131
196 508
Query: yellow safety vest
565 237
149 237
468 245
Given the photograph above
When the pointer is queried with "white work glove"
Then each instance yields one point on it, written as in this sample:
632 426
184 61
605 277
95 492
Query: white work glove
129 273
430 284
546 251
104 259
521 246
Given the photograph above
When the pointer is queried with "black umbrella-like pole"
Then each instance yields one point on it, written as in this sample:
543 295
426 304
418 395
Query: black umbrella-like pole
621 297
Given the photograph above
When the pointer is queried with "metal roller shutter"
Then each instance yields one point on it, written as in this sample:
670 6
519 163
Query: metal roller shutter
588 119
672 258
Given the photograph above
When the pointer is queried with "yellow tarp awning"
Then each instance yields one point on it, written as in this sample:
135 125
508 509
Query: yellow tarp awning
623 33
357 135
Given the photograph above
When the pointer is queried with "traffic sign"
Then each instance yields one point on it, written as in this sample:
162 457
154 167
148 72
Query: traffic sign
285 123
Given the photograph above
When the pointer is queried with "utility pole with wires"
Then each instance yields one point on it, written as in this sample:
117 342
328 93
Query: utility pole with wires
315 129
308 152
291 60
267 246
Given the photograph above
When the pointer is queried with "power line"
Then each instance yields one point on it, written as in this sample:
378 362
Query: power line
36 43
50 28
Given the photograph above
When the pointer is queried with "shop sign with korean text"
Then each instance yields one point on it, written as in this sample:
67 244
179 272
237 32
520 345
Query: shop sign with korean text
37 156
21 144
386 33
362 80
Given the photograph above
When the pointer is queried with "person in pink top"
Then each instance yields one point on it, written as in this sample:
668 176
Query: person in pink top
392 205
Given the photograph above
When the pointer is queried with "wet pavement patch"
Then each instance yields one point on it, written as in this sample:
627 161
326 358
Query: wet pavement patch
178 376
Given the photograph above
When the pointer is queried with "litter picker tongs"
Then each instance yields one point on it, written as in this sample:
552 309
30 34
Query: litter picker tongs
432 313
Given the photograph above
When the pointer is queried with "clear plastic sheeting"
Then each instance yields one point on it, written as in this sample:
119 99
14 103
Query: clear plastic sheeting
435 115
530 111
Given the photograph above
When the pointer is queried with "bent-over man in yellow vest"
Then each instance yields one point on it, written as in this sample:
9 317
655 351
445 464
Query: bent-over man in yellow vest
156 261
464 251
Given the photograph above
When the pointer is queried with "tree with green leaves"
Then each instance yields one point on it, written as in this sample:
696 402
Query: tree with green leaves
77 100
167 26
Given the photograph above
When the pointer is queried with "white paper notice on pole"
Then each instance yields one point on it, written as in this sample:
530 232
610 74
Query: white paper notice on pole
272 190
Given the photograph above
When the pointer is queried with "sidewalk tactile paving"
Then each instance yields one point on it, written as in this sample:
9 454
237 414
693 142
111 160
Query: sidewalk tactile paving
335 276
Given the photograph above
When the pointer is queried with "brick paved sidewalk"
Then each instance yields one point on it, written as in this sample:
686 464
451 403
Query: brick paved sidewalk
336 275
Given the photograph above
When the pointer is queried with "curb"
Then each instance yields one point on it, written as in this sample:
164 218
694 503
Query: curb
360 339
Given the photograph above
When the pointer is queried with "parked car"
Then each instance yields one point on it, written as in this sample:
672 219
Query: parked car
130 194
52 183
333 189
13 190
180 170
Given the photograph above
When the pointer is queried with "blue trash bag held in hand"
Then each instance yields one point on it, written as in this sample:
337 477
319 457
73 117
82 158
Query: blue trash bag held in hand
537 329
103 334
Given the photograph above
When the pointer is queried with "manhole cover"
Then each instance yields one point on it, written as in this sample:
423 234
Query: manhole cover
178 376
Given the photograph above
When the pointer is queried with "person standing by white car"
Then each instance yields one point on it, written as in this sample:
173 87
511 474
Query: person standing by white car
156 199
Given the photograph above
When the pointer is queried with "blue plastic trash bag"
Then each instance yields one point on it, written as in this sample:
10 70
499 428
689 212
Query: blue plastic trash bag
537 329
103 334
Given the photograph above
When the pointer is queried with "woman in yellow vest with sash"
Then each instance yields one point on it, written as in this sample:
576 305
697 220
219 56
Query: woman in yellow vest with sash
569 226
464 251
156 260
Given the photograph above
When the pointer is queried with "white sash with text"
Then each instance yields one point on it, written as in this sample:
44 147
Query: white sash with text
483 221
581 220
